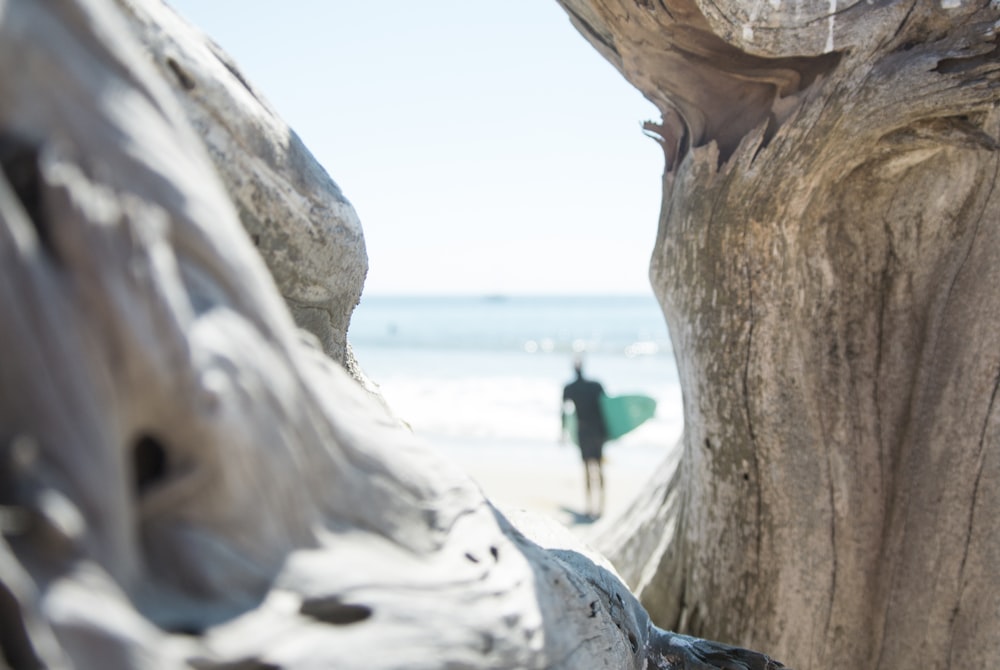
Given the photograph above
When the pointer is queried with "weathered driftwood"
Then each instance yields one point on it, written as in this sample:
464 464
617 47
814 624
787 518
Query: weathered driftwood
828 257
184 480
305 229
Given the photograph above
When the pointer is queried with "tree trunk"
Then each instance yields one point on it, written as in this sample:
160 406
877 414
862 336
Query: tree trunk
185 481
827 261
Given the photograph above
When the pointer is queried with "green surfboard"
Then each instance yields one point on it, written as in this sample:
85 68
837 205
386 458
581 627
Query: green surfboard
622 415
625 413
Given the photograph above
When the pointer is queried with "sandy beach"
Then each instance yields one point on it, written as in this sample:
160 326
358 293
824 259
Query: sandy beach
547 477
482 381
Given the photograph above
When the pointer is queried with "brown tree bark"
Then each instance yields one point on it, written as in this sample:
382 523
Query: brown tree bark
827 261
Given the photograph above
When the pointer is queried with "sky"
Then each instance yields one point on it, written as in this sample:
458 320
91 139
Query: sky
486 146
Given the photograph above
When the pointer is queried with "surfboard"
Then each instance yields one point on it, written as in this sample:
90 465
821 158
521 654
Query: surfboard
622 415
625 413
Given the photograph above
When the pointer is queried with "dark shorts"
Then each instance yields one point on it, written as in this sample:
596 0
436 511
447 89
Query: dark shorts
591 447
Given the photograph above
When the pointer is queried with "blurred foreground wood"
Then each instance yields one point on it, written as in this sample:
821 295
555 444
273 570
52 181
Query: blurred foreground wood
186 478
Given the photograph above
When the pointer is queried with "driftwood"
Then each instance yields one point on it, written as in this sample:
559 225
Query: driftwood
827 260
305 229
186 480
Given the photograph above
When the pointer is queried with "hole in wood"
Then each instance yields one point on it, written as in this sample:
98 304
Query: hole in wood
183 78
149 463
333 611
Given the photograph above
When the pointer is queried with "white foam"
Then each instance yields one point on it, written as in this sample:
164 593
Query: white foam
519 398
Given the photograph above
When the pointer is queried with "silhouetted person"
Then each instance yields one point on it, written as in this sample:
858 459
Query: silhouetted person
585 394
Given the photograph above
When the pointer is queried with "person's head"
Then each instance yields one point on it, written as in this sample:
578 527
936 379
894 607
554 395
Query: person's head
578 365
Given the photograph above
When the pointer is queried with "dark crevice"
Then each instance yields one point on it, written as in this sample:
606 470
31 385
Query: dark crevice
751 433
149 463
959 65
183 78
818 66
756 88
16 650
909 44
332 610
19 159
769 132
187 628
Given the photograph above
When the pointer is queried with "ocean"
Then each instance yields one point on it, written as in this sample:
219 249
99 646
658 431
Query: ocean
481 372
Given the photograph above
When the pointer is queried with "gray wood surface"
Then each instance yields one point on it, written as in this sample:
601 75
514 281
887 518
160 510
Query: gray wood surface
185 480
305 229
827 260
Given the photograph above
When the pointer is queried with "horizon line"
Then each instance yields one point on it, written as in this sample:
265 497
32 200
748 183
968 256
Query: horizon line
508 294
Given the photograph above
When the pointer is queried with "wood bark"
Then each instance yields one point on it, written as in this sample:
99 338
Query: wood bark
827 261
185 481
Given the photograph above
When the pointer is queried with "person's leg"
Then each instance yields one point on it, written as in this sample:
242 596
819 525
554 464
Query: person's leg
600 484
588 449
592 472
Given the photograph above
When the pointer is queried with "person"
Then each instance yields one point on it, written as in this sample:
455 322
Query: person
585 394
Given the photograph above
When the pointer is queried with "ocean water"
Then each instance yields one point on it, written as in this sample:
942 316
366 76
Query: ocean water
476 372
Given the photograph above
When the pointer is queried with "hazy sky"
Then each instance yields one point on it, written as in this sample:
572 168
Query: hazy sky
486 146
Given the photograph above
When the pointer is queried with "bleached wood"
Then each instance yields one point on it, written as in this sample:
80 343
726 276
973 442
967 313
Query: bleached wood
298 219
188 482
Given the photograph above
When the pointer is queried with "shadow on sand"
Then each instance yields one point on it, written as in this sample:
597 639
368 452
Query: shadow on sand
578 518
